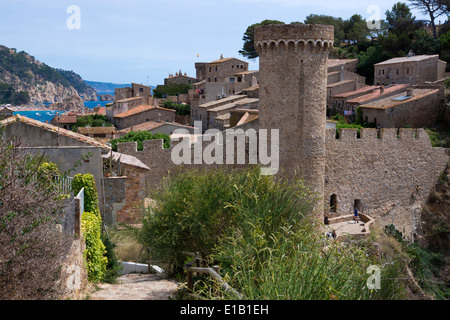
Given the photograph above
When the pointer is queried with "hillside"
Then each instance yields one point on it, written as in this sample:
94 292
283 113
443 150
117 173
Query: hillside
42 82
106 86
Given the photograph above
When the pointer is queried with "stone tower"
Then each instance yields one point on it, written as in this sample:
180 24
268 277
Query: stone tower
293 80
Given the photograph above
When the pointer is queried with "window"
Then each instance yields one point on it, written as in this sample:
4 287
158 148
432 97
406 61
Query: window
209 69
382 71
215 79
141 89
209 79
242 66
215 68
231 79
239 79
407 70
397 71
333 203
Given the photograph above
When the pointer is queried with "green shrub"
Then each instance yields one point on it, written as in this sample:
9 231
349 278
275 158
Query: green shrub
260 231
91 224
96 261
139 137
87 182
196 209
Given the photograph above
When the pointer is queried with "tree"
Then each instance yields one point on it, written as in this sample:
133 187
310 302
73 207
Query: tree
433 8
32 247
140 137
401 25
356 29
367 59
91 120
248 49
337 23
424 43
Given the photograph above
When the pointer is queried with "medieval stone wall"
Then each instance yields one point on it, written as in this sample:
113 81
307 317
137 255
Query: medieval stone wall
393 170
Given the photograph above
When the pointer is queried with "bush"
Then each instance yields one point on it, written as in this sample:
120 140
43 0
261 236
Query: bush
180 109
260 231
32 246
91 224
96 261
140 137
87 182
197 209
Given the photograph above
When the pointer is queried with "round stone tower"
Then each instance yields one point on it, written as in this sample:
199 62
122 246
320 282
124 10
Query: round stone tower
292 96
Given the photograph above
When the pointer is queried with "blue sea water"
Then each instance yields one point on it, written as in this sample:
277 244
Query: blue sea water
47 115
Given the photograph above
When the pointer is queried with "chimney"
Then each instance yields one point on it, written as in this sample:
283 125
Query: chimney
409 92
381 89
341 74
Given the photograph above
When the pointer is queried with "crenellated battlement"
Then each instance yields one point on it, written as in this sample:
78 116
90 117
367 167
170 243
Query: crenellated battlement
384 134
295 37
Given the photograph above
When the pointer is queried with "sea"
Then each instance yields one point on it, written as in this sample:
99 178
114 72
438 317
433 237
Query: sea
47 115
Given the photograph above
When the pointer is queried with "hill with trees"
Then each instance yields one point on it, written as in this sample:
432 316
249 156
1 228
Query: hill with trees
371 42
42 82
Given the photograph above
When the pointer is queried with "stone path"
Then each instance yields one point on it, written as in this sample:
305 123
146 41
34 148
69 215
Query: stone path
136 286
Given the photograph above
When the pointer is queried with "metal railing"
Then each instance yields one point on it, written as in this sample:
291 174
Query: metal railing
213 272
63 185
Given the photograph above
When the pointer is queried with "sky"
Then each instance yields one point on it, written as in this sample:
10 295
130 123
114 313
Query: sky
143 41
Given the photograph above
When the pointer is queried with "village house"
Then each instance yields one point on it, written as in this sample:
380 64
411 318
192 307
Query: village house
136 90
64 121
98 132
416 107
221 78
157 127
347 103
413 70
6 113
70 151
179 78
143 114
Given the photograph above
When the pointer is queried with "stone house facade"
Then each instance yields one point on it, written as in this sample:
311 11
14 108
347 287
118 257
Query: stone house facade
415 107
142 114
179 78
413 70
6 113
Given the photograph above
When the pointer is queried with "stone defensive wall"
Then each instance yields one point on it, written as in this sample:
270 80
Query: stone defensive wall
387 173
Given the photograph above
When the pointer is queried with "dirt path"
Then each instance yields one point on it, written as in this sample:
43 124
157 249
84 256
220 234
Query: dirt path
135 286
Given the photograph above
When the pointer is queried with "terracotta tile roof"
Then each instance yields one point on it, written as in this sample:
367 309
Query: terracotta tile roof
96 130
408 59
52 128
377 94
221 60
65 119
125 159
138 110
356 92
389 102
149 125
129 99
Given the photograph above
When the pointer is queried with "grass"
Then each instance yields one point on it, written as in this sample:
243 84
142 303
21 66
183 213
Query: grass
261 233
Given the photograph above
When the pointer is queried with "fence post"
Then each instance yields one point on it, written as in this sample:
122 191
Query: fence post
189 280
79 208
216 268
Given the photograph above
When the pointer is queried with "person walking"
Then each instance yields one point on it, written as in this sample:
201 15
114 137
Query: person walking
355 217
